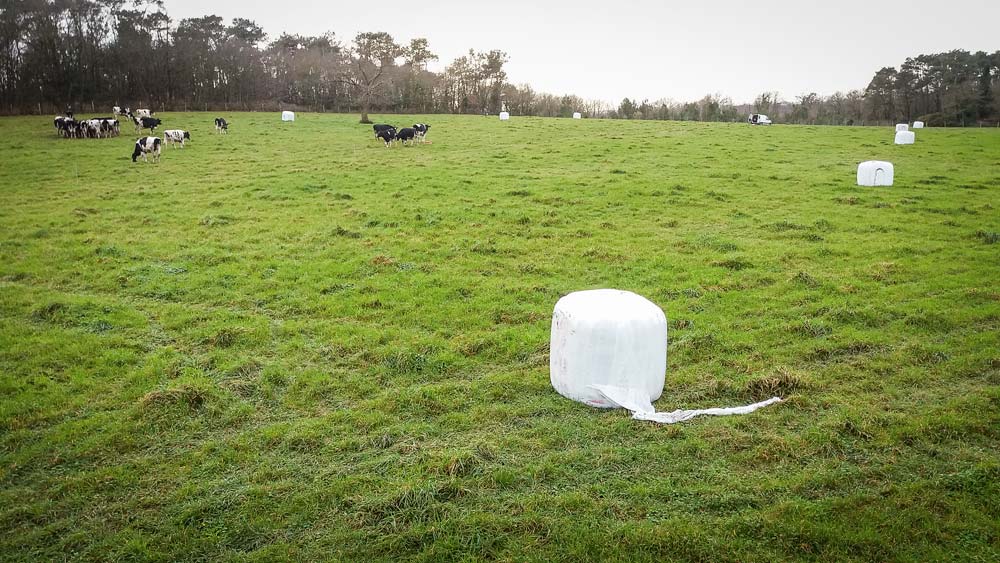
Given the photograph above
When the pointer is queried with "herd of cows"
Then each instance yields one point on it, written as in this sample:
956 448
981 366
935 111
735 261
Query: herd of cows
150 146
104 127
389 133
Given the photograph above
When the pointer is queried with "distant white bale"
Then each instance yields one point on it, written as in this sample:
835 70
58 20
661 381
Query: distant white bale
504 116
918 124
875 173
288 116
905 137
576 115
902 127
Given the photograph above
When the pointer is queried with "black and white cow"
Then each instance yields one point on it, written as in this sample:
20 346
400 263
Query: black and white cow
150 123
147 145
221 126
103 127
116 110
143 113
406 134
378 127
387 135
173 136
421 130
70 128
89 128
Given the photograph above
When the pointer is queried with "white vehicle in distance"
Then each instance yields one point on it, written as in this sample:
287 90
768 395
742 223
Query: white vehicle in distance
758 119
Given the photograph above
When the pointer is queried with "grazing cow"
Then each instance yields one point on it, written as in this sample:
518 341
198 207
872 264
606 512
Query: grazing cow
406 134
387 135
60 128
147 145
173 136
150 123
382 127
221 126
421 130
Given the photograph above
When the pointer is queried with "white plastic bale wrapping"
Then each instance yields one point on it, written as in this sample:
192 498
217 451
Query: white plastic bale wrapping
875 173
576 115
288 116
504 116
607 337
905 137
918 124
902 127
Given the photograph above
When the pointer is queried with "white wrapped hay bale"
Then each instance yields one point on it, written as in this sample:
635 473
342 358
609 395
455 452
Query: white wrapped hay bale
577 115
609 350
875 173
288 116
902 127
918 124
607 337
905 137
504 116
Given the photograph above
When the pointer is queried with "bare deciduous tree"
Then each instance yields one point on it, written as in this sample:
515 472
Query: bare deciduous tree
370 58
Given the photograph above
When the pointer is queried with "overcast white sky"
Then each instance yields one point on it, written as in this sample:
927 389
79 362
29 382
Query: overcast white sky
652 49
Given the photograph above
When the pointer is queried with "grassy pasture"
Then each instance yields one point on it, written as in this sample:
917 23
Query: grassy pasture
290 343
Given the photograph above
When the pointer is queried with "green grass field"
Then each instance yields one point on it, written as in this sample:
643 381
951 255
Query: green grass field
290 343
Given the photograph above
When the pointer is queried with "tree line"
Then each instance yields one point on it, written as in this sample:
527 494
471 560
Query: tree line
55 53
957 88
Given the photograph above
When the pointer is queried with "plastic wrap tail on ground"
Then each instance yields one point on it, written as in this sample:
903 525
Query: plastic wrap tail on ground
637 401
